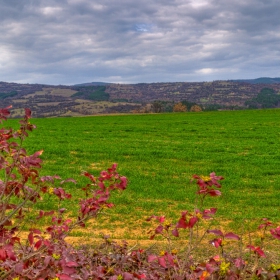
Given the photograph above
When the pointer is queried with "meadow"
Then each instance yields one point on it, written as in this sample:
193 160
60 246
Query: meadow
159 153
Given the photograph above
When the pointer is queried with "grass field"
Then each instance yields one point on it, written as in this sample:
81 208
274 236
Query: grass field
159 153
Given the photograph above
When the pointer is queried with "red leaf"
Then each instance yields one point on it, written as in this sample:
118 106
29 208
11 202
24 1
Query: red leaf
170 259
216 242
266 224
47 243
127 276
192 222
41 214
35 230
162 262
275 232
239 263
72 264
260 252
159 229
152 258
140 276
64 277
210 268
231 235
257 250
182 223
10 254
215 231
27 113
175 232
110 205
214 192
38 244
30 238
5 112
38 153
101 185
214 177
3 255
161 219
152 236
251 247
18 268
123 183
208 213
90 176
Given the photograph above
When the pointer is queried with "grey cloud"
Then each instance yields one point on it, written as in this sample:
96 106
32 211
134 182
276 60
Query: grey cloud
74 41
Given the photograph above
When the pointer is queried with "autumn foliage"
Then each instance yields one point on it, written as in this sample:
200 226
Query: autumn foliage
195 108
179 107
44 254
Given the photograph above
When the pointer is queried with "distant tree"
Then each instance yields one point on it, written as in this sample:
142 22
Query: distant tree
8 95
267 98
157 106
179 107
212 107
188 104
95 93
146 108
196 108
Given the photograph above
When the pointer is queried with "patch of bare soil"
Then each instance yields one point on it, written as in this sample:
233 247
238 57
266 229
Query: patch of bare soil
138 237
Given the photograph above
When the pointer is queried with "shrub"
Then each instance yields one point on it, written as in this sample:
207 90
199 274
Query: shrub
45 254
179 107
195 108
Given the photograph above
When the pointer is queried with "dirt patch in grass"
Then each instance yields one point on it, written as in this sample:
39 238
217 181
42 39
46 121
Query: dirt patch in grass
93 236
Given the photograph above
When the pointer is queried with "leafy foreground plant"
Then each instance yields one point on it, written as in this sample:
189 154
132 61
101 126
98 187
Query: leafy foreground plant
45 254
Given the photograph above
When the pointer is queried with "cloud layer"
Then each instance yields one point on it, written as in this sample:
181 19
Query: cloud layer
128 41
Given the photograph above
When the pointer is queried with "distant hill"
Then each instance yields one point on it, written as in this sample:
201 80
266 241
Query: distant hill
92 84
105 98
263 80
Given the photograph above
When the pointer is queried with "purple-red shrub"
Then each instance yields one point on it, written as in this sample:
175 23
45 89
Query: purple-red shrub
45 255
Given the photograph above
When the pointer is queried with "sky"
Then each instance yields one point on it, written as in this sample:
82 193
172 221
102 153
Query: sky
128 41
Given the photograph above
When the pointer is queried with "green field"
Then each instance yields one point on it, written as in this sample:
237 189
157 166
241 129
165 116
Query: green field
159 153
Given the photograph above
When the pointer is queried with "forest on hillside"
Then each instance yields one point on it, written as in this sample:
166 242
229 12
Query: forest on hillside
93 99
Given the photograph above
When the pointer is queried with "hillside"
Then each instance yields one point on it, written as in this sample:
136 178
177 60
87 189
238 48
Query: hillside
102 98
263 80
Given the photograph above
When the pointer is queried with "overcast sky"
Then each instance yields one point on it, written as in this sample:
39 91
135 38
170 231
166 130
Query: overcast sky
129 41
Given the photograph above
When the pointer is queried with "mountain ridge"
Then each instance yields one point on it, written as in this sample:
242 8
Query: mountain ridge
105 98
261 80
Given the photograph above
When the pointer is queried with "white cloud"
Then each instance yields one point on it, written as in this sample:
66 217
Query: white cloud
98 7
5 57
198 3
207 71
49 11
